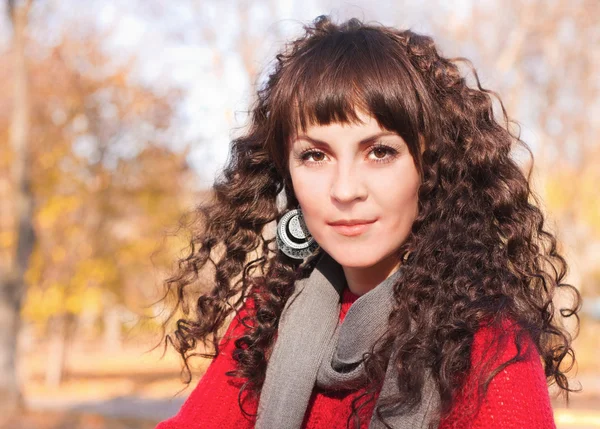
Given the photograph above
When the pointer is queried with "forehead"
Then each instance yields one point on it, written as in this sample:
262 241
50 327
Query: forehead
364 125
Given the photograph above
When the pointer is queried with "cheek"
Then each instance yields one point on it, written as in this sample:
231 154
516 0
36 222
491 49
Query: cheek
308 190
312 197
400 199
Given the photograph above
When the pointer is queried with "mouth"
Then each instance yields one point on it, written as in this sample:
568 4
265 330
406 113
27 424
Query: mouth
352 228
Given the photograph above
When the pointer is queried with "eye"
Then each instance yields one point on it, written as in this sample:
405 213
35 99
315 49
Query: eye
378 153
382 153
316 155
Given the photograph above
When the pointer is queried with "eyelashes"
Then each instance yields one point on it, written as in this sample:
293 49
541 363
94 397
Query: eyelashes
382 154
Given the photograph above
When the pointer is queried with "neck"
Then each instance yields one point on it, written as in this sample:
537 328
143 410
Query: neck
363 279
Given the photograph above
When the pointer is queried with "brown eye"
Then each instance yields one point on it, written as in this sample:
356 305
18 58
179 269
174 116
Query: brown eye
380 152
316 156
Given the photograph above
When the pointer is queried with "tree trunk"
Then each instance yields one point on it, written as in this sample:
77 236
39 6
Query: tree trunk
112 329
57 350
12 281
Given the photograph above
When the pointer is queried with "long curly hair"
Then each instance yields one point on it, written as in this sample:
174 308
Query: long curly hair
478 251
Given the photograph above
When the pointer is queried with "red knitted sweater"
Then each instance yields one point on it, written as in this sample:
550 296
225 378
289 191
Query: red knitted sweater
517 397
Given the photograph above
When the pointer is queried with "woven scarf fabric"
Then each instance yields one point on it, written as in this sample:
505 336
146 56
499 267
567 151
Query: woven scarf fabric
314 348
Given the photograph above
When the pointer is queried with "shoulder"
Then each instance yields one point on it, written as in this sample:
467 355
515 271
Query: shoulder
213 403
505 360
237 322
502 340
504 355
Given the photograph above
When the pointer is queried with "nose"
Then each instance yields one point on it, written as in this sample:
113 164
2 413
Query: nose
347 185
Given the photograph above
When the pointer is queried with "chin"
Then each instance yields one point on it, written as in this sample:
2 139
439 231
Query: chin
354 259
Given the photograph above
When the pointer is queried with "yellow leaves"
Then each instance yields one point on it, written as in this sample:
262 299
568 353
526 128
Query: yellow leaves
91 300
574 193
58 255
56 208
41 304
101 206
88 299
94 272
49 159
7 239
35 271
137 251
73 294
588 200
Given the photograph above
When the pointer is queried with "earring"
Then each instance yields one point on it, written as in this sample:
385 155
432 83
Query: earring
293 237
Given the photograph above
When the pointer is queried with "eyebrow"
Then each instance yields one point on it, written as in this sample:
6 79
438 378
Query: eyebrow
364 141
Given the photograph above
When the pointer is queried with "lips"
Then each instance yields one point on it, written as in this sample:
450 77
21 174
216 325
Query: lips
353 227
350 222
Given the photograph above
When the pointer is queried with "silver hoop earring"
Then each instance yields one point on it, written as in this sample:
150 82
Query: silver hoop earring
292 236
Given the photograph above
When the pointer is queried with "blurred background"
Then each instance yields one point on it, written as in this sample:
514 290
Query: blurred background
115 116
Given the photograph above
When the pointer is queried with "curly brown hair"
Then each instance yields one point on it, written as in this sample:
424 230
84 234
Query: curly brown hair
478 250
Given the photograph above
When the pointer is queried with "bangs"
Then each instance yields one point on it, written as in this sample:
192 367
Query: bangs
344 73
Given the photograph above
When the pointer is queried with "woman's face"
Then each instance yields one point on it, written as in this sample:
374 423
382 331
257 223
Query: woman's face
361 175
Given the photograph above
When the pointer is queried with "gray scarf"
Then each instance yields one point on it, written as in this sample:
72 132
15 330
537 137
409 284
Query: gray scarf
314 348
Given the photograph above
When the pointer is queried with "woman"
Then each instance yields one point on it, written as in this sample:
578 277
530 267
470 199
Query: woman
410 280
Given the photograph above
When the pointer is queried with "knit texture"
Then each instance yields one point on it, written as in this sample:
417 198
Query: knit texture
517 396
